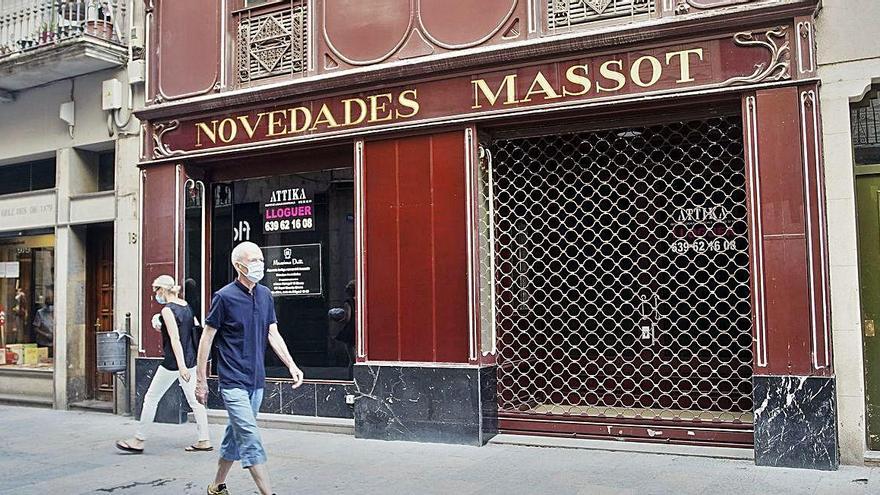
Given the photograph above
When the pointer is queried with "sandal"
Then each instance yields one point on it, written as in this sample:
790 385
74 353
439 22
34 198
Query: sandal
125 447
195 448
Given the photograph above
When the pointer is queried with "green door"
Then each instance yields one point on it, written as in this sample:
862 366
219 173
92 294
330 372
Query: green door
868 205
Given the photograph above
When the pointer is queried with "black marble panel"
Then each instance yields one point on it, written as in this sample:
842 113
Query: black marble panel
271 398
172 408
796 422
424 404
489 398
298 401
331 400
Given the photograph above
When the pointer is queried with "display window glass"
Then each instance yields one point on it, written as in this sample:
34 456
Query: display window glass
27 301
304 224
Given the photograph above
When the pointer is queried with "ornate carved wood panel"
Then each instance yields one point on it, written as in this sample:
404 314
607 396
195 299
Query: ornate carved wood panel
187 53
354 33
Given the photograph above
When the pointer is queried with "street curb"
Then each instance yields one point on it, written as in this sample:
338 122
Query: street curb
629 447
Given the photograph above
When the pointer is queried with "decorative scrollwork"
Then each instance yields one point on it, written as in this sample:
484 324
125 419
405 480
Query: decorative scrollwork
160 149
778 67
684 6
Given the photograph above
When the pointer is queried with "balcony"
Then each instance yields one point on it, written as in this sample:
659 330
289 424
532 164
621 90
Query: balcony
42 41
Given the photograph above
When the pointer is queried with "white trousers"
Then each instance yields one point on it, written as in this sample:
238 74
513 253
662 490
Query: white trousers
162 381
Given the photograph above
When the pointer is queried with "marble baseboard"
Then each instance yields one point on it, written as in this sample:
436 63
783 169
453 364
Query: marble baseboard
426 404
173 407
796 422
323 400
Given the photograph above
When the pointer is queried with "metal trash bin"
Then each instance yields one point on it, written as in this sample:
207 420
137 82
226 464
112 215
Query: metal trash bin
111 351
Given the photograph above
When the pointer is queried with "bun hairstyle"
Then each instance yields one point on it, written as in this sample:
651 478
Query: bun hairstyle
167 282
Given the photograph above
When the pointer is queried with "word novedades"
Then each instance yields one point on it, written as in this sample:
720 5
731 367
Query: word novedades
348 112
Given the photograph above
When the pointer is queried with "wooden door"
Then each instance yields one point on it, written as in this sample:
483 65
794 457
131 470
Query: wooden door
868 207
99 284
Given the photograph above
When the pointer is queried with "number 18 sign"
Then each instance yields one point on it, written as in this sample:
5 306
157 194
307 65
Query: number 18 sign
289 210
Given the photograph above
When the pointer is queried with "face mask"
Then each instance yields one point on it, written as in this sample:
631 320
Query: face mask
161 299
255 271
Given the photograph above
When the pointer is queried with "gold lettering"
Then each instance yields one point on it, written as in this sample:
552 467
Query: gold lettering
362 105
545 89
325 116
635 72
375 108
210 132
685 61
246 123
275 122
481 86
408 99
572 76
227 135
294 119
613 75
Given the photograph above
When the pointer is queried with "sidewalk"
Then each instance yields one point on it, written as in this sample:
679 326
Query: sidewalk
46 451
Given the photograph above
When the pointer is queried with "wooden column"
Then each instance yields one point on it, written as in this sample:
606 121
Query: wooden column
162 236
786 202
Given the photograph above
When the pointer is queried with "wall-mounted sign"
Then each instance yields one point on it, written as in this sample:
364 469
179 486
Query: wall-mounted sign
289 210
293 270
28 211
743 58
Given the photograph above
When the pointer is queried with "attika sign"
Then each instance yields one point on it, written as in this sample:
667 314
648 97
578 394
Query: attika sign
739 59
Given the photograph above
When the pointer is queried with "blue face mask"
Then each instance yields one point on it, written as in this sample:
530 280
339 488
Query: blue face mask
161 299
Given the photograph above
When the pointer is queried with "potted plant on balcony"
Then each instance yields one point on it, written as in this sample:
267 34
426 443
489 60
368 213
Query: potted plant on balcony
47 33
99 20
73 10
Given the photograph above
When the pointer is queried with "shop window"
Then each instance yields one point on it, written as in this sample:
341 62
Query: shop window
30 176
27 302
865 119
568 13
194 262
273 43
106 172
305 225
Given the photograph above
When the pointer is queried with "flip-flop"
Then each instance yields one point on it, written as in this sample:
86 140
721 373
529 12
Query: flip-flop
196 448
125 447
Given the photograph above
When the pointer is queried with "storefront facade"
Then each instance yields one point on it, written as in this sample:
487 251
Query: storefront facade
572 218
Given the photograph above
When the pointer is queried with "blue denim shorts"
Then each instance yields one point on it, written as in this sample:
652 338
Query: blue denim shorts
242 441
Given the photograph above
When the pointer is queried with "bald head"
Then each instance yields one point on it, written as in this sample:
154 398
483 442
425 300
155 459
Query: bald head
246 252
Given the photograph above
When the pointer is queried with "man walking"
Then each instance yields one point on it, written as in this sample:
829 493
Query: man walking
242 318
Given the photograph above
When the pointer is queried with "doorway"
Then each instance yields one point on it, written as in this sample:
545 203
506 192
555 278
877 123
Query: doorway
865 120
622 282
99 306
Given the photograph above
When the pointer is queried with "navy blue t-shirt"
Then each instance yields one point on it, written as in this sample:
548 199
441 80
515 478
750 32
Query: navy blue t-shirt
242 320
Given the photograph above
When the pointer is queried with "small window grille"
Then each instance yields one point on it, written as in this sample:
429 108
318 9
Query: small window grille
865 120
272 44
566 13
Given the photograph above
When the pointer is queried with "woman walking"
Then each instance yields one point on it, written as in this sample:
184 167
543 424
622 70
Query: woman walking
176 322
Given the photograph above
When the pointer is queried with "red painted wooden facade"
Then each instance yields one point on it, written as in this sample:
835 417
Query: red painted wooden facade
417 194
416 249
790 282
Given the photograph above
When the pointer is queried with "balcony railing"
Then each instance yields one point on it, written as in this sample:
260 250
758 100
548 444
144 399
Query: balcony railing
30 24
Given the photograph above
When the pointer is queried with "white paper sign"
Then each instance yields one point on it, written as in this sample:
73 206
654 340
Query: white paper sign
13 269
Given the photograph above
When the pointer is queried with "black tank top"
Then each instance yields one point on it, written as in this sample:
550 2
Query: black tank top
183 315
